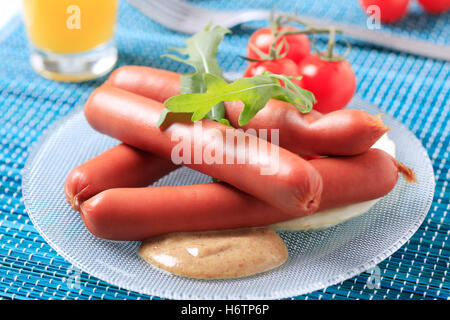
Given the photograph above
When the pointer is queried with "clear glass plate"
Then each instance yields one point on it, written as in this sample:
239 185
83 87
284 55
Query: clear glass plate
317 259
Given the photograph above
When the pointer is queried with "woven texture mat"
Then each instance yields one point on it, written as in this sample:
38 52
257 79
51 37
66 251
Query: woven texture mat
414 90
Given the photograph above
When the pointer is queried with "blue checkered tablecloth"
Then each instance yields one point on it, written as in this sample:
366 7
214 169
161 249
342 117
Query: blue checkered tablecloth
415 90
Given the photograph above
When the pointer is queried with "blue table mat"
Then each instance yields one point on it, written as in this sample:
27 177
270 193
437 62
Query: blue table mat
414 90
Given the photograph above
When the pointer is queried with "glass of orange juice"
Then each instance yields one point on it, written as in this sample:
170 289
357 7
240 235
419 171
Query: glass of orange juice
71 40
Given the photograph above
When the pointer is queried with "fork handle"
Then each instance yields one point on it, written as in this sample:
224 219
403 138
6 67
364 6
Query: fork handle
387 40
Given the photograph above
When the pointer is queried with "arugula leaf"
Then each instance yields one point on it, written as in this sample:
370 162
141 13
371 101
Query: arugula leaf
254 92
303 94
192 83
225 122
201 53
162 117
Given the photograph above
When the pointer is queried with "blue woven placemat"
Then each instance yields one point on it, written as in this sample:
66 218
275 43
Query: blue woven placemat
414 90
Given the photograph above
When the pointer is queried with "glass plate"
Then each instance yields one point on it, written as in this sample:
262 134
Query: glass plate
317 259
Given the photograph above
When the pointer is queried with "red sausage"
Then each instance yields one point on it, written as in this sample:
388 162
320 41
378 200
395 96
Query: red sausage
153 83
342 132
119 167
139 213
293 186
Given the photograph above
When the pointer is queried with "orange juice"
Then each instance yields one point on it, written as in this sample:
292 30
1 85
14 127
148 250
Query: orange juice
69 26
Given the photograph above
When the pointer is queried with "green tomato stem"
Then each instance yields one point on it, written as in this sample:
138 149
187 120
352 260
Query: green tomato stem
331 42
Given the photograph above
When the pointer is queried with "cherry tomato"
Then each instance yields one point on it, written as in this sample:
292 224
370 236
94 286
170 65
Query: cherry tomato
435 6
280 66
332 82
299 45
390 10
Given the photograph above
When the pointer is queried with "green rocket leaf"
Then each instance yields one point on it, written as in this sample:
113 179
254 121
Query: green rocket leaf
201 53
254 92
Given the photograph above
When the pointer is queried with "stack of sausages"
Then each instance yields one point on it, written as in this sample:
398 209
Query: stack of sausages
111 193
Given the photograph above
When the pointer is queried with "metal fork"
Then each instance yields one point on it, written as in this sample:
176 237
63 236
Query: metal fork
186 18
183 17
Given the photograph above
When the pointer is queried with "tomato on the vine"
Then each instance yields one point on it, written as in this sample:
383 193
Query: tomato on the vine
435 6
280 66
328 76
390 10
298 44
332 82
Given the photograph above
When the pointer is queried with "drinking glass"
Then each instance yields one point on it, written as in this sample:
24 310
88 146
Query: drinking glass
71 40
